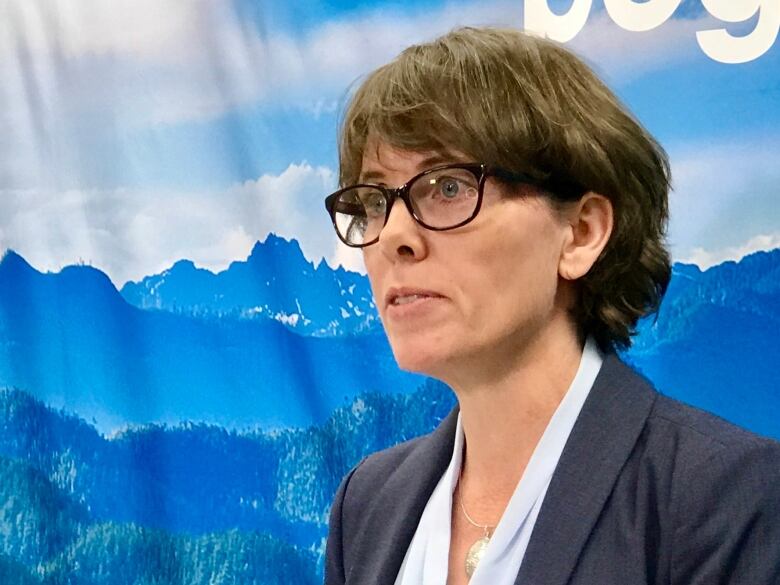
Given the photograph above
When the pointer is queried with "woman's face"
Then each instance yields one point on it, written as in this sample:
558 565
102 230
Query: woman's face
471 297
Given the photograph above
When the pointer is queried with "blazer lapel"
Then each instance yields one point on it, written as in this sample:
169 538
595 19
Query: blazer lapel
392 520
600 442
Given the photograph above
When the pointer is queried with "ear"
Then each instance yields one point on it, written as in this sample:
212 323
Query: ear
590 225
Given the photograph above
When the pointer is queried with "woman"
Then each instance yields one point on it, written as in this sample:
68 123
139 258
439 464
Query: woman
511 214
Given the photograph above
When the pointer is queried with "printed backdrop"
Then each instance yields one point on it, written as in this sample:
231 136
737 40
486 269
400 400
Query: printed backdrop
189 361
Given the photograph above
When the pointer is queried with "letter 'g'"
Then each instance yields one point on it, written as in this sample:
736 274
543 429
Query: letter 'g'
718 44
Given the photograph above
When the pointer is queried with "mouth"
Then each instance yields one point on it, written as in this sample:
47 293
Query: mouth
400 297
406 299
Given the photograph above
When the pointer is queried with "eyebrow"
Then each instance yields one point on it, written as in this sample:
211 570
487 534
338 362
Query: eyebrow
436 158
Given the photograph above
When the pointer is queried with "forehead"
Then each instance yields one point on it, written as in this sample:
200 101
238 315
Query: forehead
381 159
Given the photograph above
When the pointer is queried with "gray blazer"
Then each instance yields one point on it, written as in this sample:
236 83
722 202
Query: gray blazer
647 491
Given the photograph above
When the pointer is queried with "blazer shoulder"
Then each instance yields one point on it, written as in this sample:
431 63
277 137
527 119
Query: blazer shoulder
677 425
705 488
376 468
698 448
724 500
703 430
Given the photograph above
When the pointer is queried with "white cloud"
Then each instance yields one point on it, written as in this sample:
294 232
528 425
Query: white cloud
138 28
130 234
167 62
706 258
349 258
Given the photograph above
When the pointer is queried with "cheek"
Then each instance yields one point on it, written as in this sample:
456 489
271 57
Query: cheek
519 275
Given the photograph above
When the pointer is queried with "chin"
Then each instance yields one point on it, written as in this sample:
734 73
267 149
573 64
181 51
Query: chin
422 354
419 358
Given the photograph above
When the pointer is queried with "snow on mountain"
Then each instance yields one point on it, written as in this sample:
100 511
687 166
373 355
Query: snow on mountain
275 282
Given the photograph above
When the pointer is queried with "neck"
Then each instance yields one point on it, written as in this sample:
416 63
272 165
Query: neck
505 411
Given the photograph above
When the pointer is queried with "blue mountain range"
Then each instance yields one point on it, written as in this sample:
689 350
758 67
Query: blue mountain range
189 344
275 282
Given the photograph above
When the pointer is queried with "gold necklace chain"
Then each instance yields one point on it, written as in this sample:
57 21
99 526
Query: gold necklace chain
477 550
485 527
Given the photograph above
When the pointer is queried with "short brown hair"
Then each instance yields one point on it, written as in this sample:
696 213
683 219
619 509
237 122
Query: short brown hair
526 104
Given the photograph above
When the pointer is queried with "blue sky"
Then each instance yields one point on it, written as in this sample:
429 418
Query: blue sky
135 134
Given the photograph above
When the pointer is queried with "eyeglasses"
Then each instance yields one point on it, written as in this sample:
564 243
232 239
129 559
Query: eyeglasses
439 199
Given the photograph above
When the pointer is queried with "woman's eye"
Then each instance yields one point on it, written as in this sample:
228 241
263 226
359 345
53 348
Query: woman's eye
450 188
374 204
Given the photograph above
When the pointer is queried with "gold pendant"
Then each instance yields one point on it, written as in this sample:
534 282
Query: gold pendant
475 554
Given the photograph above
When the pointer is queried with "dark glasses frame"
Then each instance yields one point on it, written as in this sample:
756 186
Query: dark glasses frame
480 171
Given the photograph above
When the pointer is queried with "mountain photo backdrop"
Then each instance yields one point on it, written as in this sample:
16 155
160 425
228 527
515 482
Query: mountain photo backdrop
189 359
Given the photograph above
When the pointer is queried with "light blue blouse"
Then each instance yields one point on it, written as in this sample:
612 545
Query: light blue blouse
426 560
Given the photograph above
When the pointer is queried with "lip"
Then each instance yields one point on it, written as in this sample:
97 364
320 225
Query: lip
403 291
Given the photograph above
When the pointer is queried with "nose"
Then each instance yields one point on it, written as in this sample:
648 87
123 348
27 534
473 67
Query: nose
402 236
